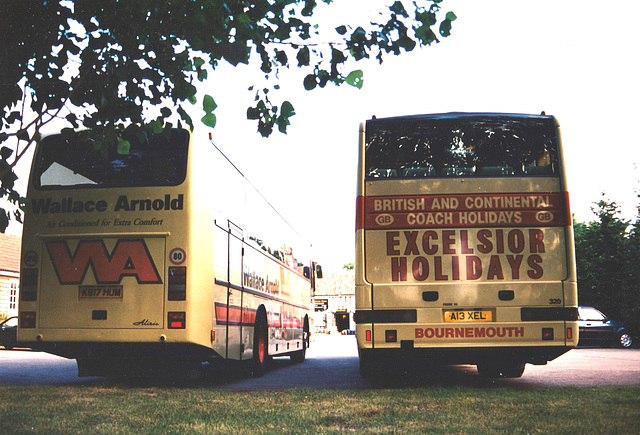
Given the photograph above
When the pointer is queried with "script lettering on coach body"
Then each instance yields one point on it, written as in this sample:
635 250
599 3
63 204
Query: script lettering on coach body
123 203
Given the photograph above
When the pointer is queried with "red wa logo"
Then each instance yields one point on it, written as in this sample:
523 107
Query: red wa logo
128 258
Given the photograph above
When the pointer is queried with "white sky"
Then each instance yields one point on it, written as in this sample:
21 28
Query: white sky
572 59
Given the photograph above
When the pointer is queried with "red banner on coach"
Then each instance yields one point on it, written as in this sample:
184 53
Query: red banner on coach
467 211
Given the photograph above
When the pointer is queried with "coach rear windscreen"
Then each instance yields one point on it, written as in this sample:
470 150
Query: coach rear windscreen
461 146
86 159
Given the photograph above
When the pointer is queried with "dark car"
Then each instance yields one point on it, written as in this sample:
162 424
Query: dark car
8 332
597 329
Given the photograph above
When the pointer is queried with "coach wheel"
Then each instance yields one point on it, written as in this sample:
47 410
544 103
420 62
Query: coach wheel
625 341
260 347
300 355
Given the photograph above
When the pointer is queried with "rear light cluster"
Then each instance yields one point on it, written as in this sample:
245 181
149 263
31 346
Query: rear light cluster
27 319
391 335
177 287
29 284
177 320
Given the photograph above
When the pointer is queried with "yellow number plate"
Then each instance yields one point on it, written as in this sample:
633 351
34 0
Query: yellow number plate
100 292
468 316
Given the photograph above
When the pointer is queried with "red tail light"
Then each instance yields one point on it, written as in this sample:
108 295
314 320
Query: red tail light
177 320
177 287
27 319
29 284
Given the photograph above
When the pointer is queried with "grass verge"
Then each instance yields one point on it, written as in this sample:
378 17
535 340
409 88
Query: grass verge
112 409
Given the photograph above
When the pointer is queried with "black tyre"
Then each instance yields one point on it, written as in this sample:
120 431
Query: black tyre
300 355
260 346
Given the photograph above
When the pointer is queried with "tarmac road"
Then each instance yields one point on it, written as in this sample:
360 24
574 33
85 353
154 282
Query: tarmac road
332 363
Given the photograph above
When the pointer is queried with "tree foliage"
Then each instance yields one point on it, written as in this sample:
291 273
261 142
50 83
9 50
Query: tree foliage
114 64
608 264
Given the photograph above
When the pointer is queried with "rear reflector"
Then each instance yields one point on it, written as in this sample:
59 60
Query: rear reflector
177 286
368 335
569 334
27 319
176 320
29 284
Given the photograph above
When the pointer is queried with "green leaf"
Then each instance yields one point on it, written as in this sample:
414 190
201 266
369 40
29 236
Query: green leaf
208 104
286 112
13 117
237 52
5 152
355 79
281 57
398 8
407 43
156 126
445 26
185 117
310 82
303 56
427 18
309 5
287 109
22 134
265 128
8 180
426 35
198 62
323 78
209 120
4 220
253 113
123 146
341 30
